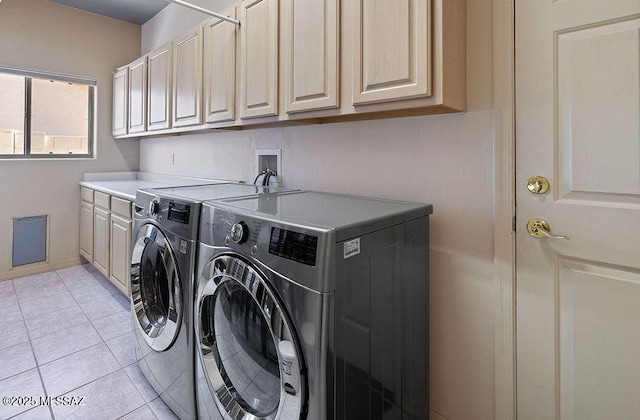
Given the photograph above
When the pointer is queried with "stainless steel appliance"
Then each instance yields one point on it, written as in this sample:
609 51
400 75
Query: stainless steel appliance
312 306
162 278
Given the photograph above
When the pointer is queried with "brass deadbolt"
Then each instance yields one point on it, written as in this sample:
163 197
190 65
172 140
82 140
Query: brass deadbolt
538 184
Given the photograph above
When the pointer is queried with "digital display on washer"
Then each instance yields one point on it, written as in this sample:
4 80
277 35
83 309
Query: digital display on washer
179 213
293 246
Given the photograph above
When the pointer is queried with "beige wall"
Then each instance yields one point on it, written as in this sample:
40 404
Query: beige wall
45 36
444 160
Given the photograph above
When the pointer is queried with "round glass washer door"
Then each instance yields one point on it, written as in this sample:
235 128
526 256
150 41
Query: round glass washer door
155 288
247 345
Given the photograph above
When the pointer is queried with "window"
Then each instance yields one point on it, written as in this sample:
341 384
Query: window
45 115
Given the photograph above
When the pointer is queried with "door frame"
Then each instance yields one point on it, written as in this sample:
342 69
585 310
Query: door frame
504 207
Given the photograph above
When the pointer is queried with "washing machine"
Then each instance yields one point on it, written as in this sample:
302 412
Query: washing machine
162 285
314 306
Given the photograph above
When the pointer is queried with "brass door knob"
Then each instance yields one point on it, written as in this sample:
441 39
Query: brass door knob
539 228
538 184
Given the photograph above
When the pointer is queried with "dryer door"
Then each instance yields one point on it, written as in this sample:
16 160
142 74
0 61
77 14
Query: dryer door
247 346
156 291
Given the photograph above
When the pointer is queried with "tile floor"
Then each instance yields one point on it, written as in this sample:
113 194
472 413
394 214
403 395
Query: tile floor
69 333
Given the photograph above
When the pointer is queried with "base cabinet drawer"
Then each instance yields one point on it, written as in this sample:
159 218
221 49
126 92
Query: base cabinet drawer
121 207
102 200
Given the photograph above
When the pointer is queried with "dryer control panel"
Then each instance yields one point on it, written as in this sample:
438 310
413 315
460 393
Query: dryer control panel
293 246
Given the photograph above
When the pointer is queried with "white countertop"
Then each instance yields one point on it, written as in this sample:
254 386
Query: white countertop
121 189
125 184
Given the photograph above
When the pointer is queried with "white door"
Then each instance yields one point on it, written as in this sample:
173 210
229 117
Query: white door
578 125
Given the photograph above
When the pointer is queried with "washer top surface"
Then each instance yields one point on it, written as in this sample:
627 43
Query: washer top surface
348 215
213 191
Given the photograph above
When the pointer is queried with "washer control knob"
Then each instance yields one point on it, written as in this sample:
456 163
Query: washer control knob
239 232
154 207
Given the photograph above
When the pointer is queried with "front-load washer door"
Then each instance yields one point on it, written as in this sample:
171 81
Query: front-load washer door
156 291
247 346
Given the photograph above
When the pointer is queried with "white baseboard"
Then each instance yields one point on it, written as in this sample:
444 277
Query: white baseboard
38 268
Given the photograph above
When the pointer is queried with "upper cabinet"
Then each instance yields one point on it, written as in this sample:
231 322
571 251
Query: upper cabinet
311 47
187 79
138 95
120 96
309 61
220 69
391 50
258 58
159 89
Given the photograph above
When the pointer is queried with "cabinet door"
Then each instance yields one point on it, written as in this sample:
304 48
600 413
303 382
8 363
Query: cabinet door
138 95
159 89
101 240
311 46
187 79
120 252
258 58
219 69
120 109
391 50
86 230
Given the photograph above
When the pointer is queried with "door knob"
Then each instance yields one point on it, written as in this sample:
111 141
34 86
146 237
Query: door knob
538 184
539 228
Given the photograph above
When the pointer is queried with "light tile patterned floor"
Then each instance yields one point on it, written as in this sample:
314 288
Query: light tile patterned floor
69 333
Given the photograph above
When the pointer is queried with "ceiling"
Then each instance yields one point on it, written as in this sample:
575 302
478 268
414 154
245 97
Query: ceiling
134 11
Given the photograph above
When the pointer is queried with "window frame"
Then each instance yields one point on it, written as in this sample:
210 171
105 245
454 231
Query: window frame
29 75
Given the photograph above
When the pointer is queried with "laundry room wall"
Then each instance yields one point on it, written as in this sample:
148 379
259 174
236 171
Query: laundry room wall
46 36
445 160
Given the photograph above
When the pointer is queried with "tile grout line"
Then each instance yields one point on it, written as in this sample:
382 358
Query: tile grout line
46 335
86 315
33 352
126 374
38 365
108 348
146 404
44 297
83 311
37 362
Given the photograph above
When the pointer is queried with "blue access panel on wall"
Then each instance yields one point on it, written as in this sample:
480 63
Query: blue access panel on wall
29 240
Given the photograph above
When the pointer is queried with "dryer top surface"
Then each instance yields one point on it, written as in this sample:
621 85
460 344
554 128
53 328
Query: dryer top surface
329 211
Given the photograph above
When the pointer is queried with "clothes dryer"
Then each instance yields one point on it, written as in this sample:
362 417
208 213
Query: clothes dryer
162 277
312 306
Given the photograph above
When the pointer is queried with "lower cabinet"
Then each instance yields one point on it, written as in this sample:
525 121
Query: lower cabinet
101 240
105 235
86 230
120 232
